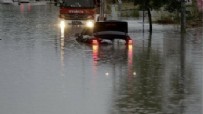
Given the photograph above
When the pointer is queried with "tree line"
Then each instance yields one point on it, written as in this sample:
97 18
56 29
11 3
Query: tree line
172 6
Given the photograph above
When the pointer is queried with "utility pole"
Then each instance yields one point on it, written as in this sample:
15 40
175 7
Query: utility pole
101 11
119 7
143 14
183 17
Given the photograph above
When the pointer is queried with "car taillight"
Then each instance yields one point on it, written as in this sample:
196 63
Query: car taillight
130 41
95 41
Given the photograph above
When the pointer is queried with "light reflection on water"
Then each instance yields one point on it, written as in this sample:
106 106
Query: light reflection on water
164 83
130 61
25 8
113 55
62 44
44 70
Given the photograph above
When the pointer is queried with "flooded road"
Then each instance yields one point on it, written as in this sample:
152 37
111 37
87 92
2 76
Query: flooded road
44 70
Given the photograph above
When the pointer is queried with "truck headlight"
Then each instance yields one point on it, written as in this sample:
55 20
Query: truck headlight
90 24
62 24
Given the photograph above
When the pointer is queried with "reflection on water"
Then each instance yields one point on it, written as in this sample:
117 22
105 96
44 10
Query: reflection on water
162 84
113 55
62 27
44 70
130 61
95 57
25 8
95 49
62 43
141 94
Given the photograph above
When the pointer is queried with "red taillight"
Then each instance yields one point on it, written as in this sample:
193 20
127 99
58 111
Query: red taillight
95 42
130 41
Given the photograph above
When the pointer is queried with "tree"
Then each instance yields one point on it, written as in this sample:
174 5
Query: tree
178 6
173 6
148 5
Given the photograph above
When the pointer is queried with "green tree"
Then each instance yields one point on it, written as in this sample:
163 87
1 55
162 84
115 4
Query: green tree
173 5
148 5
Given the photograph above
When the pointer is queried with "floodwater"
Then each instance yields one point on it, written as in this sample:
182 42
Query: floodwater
44 70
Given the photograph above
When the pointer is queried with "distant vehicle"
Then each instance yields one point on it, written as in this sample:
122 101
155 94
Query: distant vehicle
78 9
6 1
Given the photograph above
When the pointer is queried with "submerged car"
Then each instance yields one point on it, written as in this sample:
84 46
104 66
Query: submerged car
105 30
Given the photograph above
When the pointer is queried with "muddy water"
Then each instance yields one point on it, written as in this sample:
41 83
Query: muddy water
44 70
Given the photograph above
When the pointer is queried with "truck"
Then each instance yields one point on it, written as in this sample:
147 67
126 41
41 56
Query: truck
78 10
97 27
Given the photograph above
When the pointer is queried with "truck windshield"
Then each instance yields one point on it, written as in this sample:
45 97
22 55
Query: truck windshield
78 3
